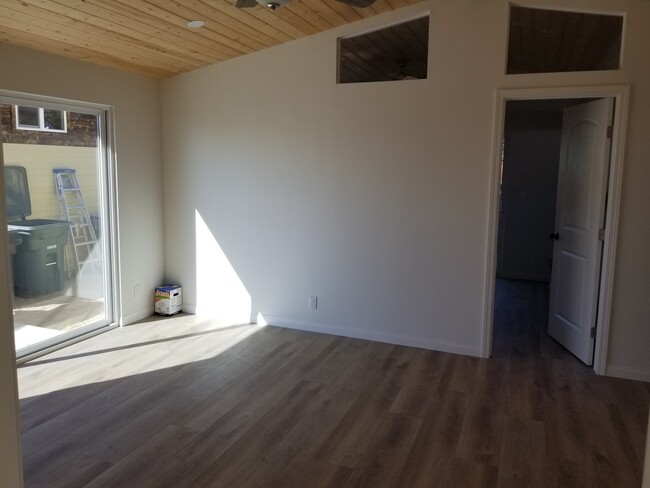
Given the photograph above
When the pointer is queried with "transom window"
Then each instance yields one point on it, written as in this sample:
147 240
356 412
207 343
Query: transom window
395 53
553 41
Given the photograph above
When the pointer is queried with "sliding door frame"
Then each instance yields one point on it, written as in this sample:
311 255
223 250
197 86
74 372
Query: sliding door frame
107 181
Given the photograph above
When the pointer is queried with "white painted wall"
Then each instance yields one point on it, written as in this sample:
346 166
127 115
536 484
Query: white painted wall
374 196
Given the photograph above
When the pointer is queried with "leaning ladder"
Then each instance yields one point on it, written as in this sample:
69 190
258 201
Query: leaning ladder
73 209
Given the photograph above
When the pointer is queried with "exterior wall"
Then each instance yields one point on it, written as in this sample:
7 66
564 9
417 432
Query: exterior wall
82 130
374 196
40 160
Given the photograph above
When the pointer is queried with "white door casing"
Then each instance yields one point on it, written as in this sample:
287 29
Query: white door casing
580 216
621 93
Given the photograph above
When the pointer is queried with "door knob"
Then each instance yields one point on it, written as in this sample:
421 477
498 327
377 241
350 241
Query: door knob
554 235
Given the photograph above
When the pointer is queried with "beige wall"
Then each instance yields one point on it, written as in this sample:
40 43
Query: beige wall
40 160
374 197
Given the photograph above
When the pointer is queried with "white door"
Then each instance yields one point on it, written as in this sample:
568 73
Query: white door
580 214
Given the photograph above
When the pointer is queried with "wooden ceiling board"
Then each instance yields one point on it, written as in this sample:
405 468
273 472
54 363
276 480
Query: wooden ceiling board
114 39
295 19
348 13
220 31
149 8
163 40
151 37
235 19
139 29
66 30
381 6
323 10
38 43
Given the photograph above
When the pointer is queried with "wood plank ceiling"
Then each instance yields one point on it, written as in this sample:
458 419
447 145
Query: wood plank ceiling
151 37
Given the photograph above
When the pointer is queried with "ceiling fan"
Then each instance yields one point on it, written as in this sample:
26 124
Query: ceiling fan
273 4
404 72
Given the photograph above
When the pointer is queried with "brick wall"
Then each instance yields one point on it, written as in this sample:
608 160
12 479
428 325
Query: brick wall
82 130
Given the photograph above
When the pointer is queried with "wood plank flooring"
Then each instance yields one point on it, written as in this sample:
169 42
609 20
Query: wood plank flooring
180 402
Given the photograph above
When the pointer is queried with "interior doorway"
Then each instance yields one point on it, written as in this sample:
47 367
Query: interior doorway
525 206
536 192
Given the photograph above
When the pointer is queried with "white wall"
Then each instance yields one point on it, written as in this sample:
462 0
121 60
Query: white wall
374 196
136 102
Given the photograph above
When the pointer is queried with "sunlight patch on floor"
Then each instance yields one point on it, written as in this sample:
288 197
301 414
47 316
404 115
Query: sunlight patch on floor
39 308
156 343
28 335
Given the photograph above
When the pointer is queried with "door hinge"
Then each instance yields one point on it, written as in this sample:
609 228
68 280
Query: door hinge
593 333
610 131
601 235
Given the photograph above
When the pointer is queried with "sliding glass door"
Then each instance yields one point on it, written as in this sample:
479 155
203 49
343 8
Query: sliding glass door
58 186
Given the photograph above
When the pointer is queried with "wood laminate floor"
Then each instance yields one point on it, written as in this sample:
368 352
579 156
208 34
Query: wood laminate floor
179 402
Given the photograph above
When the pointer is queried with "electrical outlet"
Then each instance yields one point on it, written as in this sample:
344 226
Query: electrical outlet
136 291
313 302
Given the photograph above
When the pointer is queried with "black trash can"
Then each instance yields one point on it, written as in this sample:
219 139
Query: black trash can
38 263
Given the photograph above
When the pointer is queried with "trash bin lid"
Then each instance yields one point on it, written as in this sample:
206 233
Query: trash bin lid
19 204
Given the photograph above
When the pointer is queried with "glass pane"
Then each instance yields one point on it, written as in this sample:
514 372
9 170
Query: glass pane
28 117
56 231
548 41
399 52
53 119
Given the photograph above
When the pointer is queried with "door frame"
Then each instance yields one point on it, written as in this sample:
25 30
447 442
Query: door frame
620 93
108 181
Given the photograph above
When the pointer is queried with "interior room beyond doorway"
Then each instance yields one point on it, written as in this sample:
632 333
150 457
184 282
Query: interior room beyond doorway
528 204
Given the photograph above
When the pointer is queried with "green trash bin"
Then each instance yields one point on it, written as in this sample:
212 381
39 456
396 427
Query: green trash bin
38 263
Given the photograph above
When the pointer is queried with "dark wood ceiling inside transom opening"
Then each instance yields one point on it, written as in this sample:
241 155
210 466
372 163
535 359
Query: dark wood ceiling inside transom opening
546 41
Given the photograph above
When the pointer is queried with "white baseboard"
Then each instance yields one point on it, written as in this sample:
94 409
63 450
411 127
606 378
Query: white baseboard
628 373
397 339
134 317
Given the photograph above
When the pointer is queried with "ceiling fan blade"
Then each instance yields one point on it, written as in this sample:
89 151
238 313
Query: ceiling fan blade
245 3
358 3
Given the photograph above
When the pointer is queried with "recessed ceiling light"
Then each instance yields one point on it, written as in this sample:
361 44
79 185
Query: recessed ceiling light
195 24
